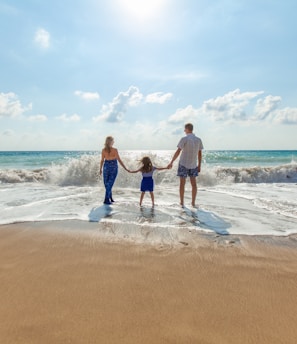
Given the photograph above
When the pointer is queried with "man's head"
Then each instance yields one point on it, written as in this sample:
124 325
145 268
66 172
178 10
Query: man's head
188 128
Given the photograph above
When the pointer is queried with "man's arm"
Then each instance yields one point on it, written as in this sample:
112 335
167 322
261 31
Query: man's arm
176 154
199 159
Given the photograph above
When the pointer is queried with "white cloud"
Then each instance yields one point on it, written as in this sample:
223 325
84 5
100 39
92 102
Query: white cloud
230 106
286 116
187 114
266 106
7 132
115 110
158 97
177 131
10 106
65 118
42 38
87 95
133 95
233 106
37 118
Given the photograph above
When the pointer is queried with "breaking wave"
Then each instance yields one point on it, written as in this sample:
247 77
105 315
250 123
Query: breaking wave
84 171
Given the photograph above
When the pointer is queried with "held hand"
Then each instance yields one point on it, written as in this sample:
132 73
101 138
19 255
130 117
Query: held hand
169 166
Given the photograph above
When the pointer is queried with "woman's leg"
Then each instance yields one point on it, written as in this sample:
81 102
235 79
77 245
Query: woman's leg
110 172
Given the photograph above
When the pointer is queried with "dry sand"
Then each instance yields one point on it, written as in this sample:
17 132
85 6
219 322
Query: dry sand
62 287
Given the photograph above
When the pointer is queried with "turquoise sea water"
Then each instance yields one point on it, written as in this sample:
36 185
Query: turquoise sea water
40 159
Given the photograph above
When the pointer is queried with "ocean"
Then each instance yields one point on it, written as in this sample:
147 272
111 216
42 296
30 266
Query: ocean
239 192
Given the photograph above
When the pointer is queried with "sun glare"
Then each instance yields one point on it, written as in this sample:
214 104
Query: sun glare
142 9
140 12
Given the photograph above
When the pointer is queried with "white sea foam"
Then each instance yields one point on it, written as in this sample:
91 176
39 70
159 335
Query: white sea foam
84 171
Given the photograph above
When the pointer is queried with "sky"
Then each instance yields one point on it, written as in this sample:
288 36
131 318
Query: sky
75 71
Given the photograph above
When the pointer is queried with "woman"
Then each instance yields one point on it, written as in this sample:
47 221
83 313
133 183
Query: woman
109 162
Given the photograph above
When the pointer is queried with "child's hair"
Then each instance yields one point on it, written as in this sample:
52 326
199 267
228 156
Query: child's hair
108 143
147 165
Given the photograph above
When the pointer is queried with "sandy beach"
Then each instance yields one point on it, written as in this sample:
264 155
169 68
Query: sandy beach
61 286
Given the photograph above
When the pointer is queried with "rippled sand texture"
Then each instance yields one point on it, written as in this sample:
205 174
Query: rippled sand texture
60 284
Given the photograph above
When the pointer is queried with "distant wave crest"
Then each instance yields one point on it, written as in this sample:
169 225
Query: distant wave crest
276 174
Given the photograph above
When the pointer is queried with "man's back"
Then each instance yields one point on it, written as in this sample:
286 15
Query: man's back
190 146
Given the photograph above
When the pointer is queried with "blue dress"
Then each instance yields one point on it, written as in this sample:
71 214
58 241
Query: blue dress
147 183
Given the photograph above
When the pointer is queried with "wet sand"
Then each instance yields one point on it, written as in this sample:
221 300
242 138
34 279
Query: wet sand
61 286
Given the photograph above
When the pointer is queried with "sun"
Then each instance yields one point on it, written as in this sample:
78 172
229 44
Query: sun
140 14
141 9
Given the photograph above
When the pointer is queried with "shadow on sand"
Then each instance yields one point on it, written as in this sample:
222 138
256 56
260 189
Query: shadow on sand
198 218
206 220
98 213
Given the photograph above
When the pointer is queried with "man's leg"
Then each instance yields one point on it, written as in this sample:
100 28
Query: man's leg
194 190
182 182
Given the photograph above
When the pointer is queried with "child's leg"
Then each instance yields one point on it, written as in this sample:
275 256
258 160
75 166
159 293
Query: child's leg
141 198
152 197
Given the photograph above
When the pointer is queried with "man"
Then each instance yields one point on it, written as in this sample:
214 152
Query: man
190 162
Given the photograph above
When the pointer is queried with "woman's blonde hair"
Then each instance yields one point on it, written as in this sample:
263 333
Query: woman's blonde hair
108 142
147 165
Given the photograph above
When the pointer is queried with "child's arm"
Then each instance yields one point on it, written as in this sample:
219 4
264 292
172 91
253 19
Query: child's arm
161 168
134 171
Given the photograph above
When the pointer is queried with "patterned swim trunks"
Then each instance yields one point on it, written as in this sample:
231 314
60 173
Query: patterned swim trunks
187 172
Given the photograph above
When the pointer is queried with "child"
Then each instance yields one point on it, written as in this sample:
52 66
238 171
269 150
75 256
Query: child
147 184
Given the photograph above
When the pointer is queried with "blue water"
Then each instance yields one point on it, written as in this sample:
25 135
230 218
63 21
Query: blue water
250 158
226 158
36 159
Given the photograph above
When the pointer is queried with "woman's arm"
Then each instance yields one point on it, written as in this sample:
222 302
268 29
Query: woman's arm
119 159
101 162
